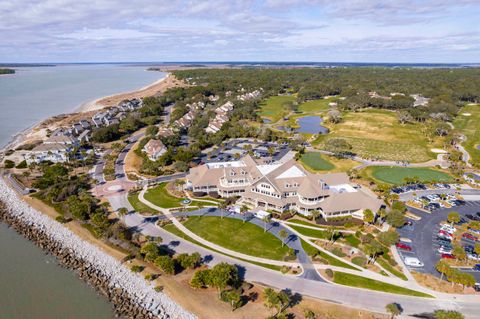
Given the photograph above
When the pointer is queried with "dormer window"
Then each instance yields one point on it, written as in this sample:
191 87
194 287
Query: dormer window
232 173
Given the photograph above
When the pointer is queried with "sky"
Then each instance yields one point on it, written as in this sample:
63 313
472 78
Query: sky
401 31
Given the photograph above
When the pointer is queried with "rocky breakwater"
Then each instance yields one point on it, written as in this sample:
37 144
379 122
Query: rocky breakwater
131 295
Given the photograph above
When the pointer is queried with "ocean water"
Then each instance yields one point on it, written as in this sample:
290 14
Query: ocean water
32 284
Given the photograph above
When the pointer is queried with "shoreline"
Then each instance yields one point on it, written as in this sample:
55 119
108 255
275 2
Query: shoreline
129 294
102 102
27 135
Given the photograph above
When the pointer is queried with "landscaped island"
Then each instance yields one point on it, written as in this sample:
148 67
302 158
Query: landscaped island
6 71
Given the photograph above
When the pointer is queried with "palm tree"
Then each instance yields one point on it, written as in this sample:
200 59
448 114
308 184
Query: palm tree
315 214
122 211
394 309
243 211
283 235
222 206
266 219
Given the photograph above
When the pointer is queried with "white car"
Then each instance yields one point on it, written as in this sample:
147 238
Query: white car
444 250
473 257
413 262
448 228
445 235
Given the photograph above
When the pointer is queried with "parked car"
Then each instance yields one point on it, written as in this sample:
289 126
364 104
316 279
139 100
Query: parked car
473 256
445 250
476 267
403 246
476 231
413 262
443 241
445 235
468 248
448 256
448 228
469 236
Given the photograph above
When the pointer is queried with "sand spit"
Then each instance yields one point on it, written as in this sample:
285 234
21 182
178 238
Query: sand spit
155 88
130 294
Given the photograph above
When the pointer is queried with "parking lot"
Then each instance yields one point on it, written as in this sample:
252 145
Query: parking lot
232 149
422 236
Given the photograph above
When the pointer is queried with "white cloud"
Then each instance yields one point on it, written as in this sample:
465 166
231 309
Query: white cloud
243 29
107 34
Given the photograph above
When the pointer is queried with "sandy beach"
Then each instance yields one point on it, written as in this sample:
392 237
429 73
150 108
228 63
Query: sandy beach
155 88
38 131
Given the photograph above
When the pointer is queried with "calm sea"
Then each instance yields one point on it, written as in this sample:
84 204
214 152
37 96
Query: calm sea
33 285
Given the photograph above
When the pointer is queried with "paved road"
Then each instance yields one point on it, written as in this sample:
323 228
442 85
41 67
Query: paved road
423 234
358 298
120 161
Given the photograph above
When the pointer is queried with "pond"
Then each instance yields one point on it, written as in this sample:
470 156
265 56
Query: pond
311 125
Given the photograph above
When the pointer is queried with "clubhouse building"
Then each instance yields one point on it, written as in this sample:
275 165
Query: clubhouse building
283 185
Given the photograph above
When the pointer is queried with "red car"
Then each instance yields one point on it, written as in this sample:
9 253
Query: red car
470 236
448 256
444 234
403 247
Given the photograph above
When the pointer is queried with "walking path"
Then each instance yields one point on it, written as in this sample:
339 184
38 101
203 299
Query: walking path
465 154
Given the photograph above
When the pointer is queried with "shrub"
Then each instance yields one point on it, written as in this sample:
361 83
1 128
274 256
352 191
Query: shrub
329 273
337 251
158 288
137 268
166 263
359 261
214 195
22 164
62 219
9 164
199 194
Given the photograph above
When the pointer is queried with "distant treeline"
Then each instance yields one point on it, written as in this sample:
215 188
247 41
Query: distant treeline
447 88
7 71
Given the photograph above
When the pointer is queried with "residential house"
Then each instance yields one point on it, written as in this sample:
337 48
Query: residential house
154 149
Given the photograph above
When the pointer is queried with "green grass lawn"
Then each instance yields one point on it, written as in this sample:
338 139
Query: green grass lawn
361 282
160 197
378 134
315 233
469 126
138 205
315 106
390 268
311 251
396 175
174 230
233 234
273 108
316 162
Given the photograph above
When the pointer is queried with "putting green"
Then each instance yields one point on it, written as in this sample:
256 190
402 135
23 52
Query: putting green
397 175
